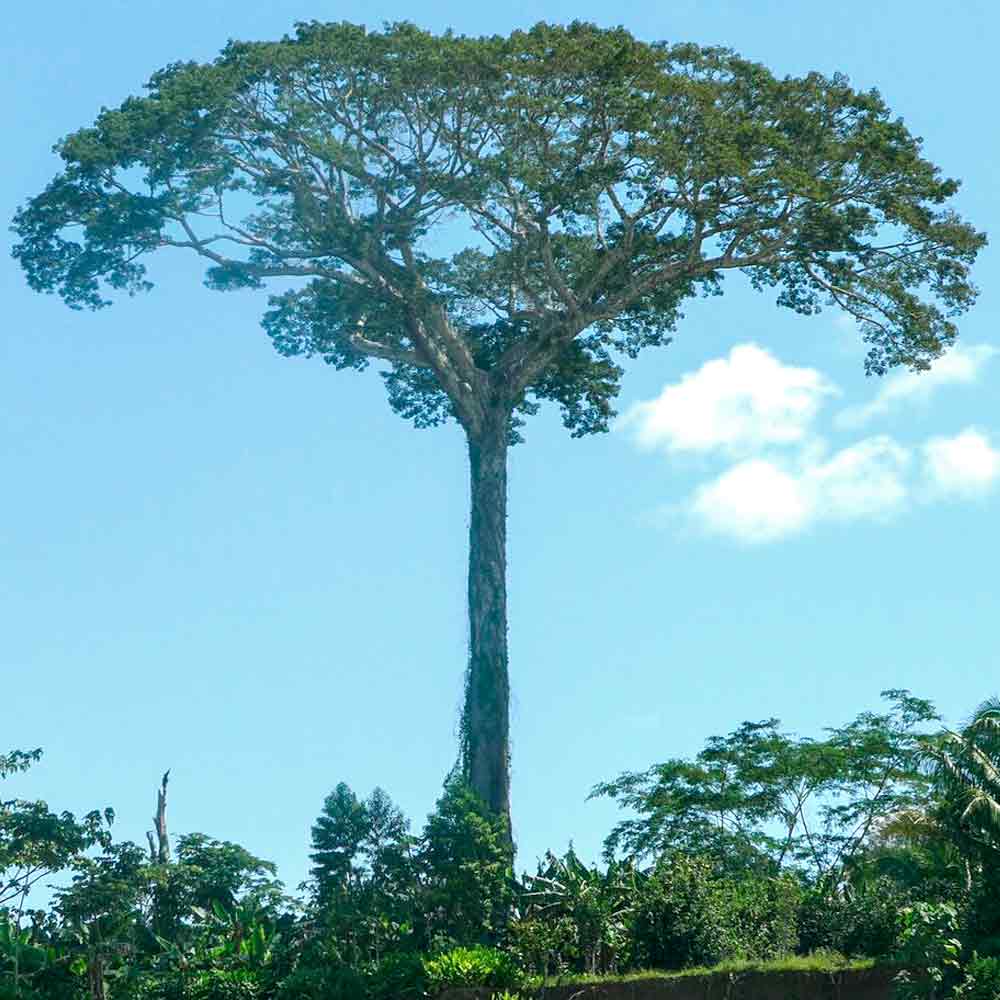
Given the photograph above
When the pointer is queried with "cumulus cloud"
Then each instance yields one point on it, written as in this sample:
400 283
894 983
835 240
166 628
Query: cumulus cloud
755 501
760 500
965 465
960 365
737 404
783 479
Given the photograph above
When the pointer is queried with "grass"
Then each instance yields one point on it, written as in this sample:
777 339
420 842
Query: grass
819 961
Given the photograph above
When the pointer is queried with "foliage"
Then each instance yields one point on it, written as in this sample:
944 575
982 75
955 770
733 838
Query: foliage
395 916
476 966
854 919
325 982
212 984
364 878
398 976
608 179
680 916
929 952
466 865
968 777
570 915
982 979
34 841
211 873
762 912
545 946
687 913
31 967
727 802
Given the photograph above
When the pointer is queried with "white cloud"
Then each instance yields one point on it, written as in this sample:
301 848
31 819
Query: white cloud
960 365
783 479
761 501
739 404
755 501
862 481
961 466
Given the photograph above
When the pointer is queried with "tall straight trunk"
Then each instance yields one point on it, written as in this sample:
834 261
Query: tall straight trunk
485 722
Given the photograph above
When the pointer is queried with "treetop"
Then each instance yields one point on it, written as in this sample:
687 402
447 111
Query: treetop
500 220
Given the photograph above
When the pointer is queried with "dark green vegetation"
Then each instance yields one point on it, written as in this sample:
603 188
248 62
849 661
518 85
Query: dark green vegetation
878 841
588 184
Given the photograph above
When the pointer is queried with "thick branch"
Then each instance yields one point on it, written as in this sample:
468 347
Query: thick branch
373 349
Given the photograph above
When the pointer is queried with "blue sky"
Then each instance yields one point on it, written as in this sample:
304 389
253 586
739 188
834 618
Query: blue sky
248 570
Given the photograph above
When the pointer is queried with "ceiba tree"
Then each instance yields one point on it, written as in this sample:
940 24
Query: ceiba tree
500 221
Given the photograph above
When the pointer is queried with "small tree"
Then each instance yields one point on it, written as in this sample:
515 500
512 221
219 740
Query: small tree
596 181
35 842
364 874
466 866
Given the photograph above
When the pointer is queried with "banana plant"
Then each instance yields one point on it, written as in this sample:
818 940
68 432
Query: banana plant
597 904
23 960
240 935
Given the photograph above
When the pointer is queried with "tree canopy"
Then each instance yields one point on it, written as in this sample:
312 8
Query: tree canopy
500 219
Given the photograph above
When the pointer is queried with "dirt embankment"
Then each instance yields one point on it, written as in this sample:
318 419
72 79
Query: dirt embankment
865 984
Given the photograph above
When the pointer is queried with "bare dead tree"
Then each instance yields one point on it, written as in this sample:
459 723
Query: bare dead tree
159 842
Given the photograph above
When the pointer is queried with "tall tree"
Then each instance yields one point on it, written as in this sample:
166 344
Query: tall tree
596 181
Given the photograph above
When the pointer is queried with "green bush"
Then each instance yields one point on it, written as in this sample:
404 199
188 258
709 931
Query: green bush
679 917
544 945
467 869
214 984
399 976
929 952
224 985
687 914
982 980
477 966
763 916
865 920
322 983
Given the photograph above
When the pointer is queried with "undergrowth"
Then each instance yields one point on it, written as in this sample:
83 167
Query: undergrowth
819 961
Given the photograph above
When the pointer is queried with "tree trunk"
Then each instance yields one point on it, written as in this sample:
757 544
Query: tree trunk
95 976
159 850
485 722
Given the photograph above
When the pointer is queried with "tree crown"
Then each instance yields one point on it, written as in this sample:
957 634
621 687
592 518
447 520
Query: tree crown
500 220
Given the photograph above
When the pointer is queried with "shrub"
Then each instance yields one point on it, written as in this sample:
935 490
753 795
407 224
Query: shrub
544 945
212 984
572 915
929 951
687 914
867 921
679 918
467 867
982 980
322 983
478 966
399 976
763 916
224 985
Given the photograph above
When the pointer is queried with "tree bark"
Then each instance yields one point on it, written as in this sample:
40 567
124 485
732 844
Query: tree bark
485 722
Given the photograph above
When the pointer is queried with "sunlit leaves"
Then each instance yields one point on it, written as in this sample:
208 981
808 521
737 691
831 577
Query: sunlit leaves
563 182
